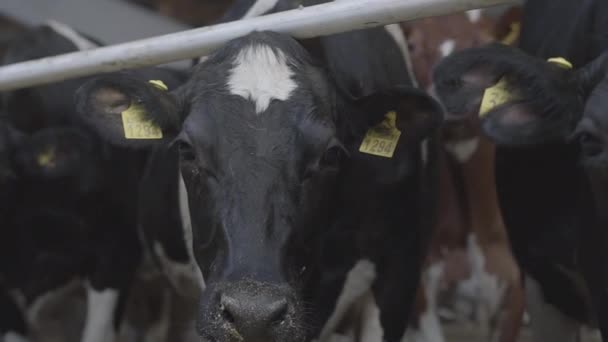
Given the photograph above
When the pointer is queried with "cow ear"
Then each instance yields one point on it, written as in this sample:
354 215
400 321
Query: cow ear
520 99
415 111
55 152
128 111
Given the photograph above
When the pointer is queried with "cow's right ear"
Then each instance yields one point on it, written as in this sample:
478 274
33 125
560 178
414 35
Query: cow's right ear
127 111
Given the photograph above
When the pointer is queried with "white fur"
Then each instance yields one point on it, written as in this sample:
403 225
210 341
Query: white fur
184 210
485 288
13 337
260 7
447 47
76 38
177 273
474 15
463 150
397 34
547 322
429 326
261 74
358 281
371 329
101 306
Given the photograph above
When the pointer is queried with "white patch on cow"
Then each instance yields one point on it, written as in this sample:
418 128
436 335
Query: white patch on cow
202 59
101 307
424 151
261 74
184 211
371 327
68 33
358 281
474 15
547 322
487 288
13 337
447 47
34 310
463 150
260 7
429 327
179 275
394 30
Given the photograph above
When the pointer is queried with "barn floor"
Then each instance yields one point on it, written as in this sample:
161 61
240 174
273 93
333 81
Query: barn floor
71 304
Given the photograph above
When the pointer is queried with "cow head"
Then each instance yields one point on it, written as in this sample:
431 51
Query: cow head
546 102
263 138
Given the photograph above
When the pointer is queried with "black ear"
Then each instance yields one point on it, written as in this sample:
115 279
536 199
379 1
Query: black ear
520 99
56 152
417 115
128 111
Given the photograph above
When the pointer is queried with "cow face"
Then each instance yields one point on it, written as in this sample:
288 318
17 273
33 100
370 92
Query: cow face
263 138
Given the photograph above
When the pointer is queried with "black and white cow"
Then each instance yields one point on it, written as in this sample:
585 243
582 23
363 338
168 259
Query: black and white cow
555 225
73 213
277 190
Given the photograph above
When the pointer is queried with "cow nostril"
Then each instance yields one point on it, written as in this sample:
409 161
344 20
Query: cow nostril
225 312
278 311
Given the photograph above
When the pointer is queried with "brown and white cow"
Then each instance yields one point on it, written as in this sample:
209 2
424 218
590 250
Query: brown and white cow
470 255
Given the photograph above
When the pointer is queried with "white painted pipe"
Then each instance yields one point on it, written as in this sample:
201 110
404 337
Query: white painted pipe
324 19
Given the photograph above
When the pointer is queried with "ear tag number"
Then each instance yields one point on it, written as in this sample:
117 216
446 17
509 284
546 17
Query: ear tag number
134 119
382 139
136 125
47 158
495 96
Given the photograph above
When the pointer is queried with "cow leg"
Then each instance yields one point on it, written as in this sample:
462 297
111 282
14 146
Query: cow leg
13 327
503 291
547 322
101 308
427 327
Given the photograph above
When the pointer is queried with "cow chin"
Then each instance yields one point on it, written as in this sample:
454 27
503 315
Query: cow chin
250 311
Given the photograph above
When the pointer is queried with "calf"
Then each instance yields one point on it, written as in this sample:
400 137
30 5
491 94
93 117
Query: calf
75 213
269 155
545 194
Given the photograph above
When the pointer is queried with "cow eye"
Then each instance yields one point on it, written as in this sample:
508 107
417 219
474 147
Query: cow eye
186 152
333 156
590 144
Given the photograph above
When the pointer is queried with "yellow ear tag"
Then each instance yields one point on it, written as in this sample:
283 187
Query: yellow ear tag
159 84
47 157
134 121
382 139
514 31
560 62
495 96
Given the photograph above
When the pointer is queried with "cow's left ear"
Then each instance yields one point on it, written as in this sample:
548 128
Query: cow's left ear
416 114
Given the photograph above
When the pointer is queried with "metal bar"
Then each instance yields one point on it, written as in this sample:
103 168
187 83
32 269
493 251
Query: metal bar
324 19
110 21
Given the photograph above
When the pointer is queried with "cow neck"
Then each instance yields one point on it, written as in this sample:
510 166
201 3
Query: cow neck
479 196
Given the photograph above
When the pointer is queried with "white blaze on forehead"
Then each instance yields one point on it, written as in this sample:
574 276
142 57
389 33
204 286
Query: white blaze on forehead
261 74
260 7
447 47
99 324
474 15
68 33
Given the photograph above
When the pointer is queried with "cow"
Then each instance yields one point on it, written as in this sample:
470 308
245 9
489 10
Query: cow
546 193
470 266
277 189
74 208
